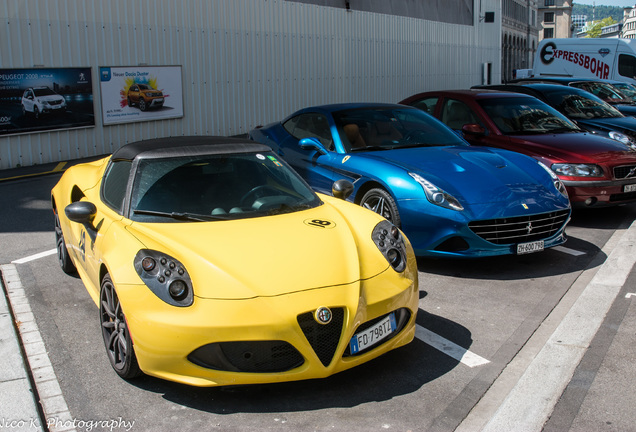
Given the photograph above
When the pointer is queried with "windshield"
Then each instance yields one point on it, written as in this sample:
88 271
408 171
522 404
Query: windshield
518 116
217 187
581 105
43 91
384 128
603 90
627 89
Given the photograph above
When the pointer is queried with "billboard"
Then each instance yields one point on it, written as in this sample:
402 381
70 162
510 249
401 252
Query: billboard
140 93
42 99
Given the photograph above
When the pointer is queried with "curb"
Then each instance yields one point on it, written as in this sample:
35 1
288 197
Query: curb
54 415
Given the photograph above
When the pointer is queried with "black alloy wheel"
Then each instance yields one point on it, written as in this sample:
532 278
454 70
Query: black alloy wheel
62 253
381 202
117 340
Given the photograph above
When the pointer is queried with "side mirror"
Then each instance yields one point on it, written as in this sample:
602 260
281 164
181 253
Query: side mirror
473 129
312 144
342 189
83 212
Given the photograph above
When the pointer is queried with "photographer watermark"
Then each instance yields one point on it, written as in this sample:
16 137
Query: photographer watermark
118 424
89 425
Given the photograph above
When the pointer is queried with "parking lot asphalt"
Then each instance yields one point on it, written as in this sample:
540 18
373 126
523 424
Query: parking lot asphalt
539 390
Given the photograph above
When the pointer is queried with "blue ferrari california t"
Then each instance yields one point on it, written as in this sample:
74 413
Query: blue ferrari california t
449 198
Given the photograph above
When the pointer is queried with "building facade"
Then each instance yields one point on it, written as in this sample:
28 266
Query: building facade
629 23
520 36
221 67
579 23
555 17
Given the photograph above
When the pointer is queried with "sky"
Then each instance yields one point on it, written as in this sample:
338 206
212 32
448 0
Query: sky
621 3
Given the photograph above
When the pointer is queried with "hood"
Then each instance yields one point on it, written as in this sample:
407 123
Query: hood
51 98
474 175
626 109
572 147
265 256
619 124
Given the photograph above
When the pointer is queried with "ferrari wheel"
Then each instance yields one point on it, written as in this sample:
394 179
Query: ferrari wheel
381 202
62 253
117 338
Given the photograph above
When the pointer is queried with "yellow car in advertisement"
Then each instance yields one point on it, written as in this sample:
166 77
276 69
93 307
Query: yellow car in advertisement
213 263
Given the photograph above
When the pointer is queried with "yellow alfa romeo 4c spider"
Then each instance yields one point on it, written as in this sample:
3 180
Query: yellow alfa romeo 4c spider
213 263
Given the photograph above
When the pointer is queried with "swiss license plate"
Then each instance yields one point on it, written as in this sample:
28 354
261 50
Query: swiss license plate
630 188
526 248
373 335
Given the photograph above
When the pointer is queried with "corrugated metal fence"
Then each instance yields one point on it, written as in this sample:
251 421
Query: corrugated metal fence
244 62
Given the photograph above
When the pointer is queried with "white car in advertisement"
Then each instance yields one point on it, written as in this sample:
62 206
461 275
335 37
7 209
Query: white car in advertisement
42 100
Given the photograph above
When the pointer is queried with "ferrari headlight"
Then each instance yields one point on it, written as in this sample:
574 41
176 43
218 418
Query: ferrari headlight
389 239
166 277
555 180
436 195
577 170
623 139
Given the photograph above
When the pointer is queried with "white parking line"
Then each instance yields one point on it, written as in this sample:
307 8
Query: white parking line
449 348
568 251
34 257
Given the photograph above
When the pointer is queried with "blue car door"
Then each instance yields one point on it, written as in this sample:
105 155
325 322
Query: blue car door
311 164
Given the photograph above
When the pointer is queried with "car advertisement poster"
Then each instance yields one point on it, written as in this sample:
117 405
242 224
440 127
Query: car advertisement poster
42 99
140 93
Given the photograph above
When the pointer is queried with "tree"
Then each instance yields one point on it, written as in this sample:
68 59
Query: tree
595 30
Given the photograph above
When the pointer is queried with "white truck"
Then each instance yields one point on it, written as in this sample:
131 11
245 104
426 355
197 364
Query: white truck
608 59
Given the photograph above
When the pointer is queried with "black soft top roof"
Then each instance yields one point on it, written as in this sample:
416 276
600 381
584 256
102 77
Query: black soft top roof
187 146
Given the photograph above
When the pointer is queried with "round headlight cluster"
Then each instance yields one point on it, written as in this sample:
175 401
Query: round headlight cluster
166 277
388 238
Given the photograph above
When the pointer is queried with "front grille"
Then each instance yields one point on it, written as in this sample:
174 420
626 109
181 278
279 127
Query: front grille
323 338
402 317
520 229
248 356
622 172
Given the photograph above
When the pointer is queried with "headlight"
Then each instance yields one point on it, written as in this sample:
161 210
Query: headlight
389 239
557 183
577 170
623 139
436 195
166 277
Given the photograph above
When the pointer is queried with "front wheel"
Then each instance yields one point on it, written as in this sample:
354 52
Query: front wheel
381 202
142 105
117 340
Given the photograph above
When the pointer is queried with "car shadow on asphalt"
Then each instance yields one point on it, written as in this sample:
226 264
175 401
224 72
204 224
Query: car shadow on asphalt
575 255
396 373
551 262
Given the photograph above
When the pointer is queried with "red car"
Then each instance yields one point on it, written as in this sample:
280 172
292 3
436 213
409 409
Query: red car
595 170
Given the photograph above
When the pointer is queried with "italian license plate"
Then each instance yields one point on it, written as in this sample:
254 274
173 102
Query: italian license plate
526 248
630 188
373 335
